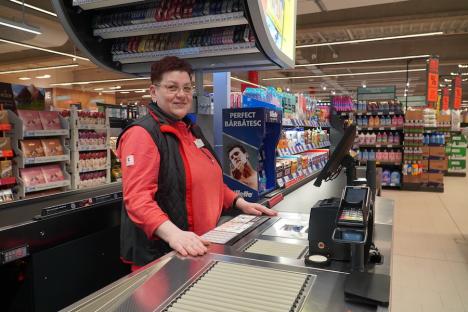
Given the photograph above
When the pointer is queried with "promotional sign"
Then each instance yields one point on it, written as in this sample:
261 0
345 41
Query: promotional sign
445 98
250 136
7 99
432 81
456 98
378 93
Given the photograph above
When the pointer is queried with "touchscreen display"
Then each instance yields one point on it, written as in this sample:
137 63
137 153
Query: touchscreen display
355 195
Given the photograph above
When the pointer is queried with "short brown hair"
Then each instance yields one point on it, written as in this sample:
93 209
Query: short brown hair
168 64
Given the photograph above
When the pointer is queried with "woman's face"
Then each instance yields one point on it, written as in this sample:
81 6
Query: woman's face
173 93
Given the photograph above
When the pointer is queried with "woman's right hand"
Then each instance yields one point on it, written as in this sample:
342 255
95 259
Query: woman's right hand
188 243
184 242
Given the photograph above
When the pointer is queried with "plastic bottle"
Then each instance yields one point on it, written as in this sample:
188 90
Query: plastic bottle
384 138
376 121
378 139
395 178
386 177
373 139
365 155
370 121
372 155
390 138
385 155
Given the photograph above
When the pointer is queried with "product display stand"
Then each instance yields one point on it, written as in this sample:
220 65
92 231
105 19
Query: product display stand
456 153
7 180
92 170
250 136
21 161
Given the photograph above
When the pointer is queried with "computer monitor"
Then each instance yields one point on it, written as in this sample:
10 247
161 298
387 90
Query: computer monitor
340 158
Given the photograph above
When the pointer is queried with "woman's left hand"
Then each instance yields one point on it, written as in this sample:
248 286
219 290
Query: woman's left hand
254 208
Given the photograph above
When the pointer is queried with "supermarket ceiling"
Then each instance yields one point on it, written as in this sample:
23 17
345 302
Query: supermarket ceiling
318 21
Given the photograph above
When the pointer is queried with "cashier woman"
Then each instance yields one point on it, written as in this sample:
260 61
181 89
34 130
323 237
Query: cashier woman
172 183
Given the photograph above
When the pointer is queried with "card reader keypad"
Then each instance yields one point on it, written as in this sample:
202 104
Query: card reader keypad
351 215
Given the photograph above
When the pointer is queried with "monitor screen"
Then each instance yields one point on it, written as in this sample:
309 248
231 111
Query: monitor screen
338 155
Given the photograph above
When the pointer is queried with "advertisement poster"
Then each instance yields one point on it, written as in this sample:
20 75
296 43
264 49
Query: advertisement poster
432 82
6 96
280 20
445 98
240 161
28 97
456 92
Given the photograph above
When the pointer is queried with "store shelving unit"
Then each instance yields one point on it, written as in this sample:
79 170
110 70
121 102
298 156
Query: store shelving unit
98 4
291 122
21 161
301 148
76 127
6 182
456 154
185 24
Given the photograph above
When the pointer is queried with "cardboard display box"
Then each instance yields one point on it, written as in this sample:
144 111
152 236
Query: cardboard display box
439 164
414 115
437 151
424 177
425 164
411 179
436 178
458 151
425 151
457 164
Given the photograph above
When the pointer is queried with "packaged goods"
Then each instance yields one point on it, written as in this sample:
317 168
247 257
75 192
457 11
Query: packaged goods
31 120
32 148
52 173
50 120
52 147
32 176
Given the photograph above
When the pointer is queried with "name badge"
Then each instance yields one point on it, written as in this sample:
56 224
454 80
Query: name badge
199 143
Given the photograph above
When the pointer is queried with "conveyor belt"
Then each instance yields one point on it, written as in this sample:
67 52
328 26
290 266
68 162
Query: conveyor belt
230 287
272 248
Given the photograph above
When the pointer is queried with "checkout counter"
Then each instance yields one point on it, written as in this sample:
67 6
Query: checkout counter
261 268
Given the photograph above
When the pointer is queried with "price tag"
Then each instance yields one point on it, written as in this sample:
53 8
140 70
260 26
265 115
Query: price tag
381 128
280 182
294 175
286 179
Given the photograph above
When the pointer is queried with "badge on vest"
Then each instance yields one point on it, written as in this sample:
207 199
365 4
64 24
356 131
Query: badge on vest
198 143
130 161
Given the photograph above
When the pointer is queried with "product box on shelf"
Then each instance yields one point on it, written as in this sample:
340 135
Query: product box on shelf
6 196
424 177
425 151
6 168
437 151
52 147
52 173
32 148
459 152
5 143
457 165
438 164
411 179
32 176
50 120
414 115
31 120
425 163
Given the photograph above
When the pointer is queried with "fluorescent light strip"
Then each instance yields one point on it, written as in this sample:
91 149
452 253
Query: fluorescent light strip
22 27
347 74
125 90
43 49
369 40
248 82
97 81
33 7
37 69
367 61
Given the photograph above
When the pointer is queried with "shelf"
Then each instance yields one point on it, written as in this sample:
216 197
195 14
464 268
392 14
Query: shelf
80 186
7 181
92 148
84 170
45 133
178 25
195 52
383 163
300 149
48 186
97 4
380 128
287 122
92 127
391 186
292 179
6 153
44 160
372 113
380 146
456 158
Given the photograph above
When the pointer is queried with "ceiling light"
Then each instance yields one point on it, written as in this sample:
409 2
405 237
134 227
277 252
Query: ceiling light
146 96
37 69
369 40
43 49
447 80
140 91
367 60
19 26
364 85
98 89
98 81
33 7
287 89
43 77
124 92
324 87
348 74
462 66
24 78
333 92
115 88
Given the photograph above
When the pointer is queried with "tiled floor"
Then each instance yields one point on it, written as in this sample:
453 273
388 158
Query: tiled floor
430 249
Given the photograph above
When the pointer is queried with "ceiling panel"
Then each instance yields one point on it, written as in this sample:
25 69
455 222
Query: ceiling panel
348 4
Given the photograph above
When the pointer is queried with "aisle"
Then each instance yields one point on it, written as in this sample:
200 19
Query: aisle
430 268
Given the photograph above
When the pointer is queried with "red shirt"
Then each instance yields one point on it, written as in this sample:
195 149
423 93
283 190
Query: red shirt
140 160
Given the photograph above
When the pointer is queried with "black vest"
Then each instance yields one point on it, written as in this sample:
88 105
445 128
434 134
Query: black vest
135 247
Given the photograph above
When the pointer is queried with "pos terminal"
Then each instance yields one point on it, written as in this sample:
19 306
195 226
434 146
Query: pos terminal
342 229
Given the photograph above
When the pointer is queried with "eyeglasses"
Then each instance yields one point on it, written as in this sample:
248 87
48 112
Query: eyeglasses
173 89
